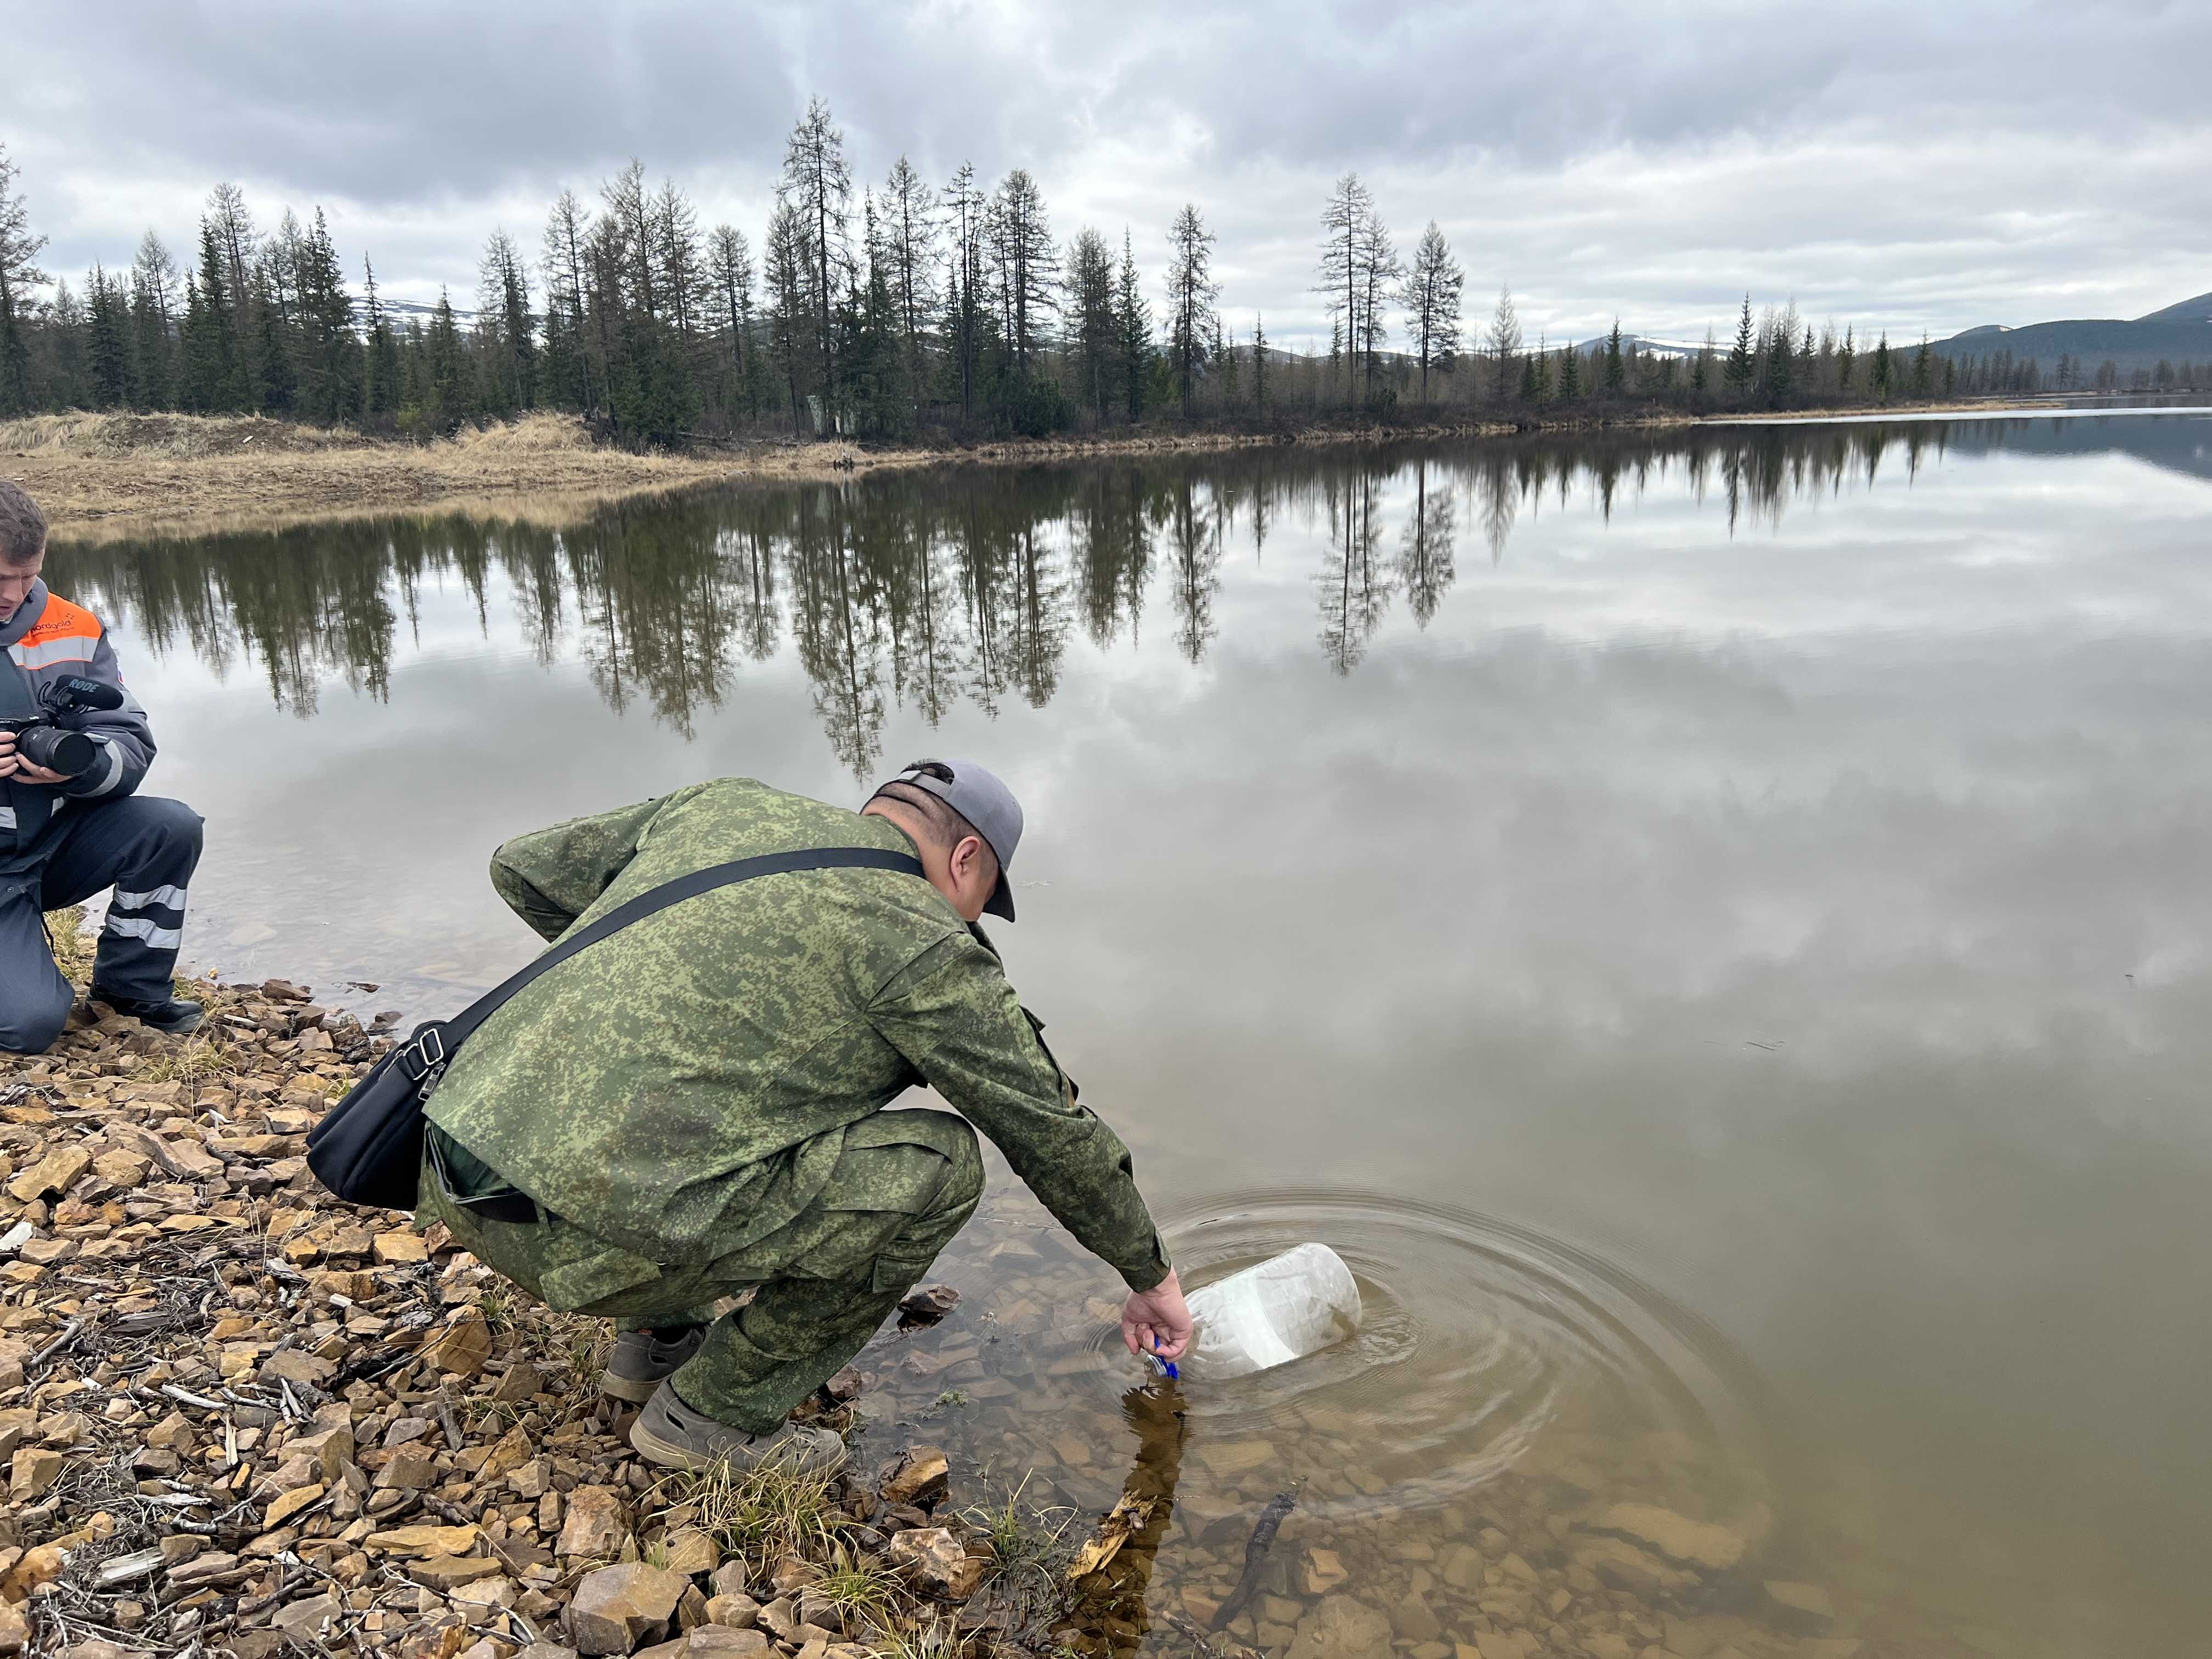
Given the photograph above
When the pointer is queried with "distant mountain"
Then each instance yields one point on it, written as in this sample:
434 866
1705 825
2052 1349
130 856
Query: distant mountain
2198 310
1647 346
2180 333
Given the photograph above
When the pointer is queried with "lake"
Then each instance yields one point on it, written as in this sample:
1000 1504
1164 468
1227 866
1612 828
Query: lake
1709 923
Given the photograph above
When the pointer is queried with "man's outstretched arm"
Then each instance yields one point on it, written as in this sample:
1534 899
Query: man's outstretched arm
951 1012
550 877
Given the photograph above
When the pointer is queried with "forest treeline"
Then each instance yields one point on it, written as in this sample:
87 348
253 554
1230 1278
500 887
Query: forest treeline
887 310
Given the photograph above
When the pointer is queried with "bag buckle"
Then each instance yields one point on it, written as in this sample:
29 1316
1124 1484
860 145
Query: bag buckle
424 1058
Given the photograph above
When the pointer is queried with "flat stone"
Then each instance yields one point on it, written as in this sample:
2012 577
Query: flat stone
54 1173
691 1552
283 1509
462 1348
33 1473
929 1303
726 1642
1414 1618
408 1472
617 1608
1691 1543
733 1612
922 1475
303 1621
1342 1627
594 1528
512 1452
480 1594
14 1628
424 1540
443 1573
405 1245
1802 1604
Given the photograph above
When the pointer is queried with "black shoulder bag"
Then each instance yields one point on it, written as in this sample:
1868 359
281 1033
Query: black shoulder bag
369 1148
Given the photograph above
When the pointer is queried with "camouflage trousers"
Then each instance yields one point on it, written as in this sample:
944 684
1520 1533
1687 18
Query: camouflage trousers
904 1184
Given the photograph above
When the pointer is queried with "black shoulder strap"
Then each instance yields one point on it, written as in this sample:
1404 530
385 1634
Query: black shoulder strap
438 1042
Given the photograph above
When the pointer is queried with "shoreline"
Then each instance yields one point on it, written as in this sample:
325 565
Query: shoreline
241 1416
107 477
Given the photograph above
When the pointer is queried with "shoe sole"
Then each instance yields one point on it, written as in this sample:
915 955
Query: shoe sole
636 1390
673 1455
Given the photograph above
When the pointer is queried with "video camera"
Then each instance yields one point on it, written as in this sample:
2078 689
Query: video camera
49 738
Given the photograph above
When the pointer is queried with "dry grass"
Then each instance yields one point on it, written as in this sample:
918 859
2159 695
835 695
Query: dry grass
100 477
761 1513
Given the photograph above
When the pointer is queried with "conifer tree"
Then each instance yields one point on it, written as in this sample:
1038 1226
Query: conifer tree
1844 357
1259 366
817 185
1570 373
964 303
19 274
381 389
333 358
215 365
503 324
910 233
108 341
730 272
1741 358
1884 368
153 322
1432 300
1504 343
1091 338
1191 293
1615 373
1020 247
1133 323
444 395
568 371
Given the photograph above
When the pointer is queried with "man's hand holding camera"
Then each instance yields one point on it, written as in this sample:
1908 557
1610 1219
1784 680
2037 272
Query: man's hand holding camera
13 765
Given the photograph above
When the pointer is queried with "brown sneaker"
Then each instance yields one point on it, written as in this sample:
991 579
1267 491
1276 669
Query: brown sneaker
670 1433
643 1360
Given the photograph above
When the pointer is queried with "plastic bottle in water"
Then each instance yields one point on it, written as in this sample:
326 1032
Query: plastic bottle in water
1282 1309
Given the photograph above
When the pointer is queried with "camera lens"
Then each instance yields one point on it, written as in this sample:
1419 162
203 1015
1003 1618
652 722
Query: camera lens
66 752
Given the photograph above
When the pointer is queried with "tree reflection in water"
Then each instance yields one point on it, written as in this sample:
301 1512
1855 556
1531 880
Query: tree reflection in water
917 590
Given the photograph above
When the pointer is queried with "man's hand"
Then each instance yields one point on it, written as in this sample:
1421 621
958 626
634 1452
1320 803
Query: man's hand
1156 1321
13 765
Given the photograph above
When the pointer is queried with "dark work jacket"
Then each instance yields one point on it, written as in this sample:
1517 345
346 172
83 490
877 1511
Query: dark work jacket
46 640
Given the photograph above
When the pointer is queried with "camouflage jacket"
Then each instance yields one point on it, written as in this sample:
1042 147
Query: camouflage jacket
673 1088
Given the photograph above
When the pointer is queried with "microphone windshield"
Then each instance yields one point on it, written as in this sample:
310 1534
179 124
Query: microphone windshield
89 694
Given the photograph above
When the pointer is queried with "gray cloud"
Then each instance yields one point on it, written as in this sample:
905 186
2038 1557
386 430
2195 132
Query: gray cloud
1907 168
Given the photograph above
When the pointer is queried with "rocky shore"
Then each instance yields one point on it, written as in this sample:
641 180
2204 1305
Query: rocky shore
238 1416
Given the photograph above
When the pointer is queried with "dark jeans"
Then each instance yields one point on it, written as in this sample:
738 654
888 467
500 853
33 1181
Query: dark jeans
143 847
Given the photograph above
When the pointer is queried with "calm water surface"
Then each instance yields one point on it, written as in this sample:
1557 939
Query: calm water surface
1712 926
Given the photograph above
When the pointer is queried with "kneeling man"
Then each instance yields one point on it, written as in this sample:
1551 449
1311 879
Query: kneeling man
67 835
694 1108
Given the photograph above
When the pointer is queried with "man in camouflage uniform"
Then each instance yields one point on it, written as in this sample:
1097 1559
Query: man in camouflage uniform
694 1107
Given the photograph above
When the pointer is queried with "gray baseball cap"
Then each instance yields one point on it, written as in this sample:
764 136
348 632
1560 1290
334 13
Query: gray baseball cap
977 794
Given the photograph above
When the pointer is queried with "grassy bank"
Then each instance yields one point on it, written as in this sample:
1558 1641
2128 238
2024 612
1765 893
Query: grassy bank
99 475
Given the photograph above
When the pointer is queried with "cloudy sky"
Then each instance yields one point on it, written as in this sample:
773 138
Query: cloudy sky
1906 166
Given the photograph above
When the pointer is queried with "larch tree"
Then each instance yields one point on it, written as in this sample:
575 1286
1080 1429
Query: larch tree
1502 344
1191 293
503 323
1432 301
911 229
153 282
788 301
730 272
1021 250
817 185
965 208
1346 221
562 261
